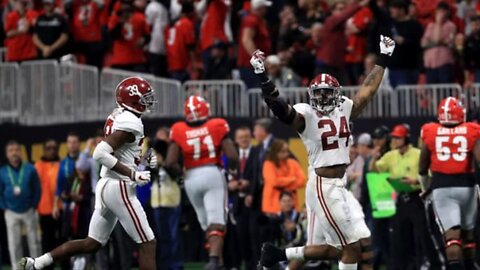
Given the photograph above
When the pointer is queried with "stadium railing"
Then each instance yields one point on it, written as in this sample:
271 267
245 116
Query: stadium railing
48 92
79 85
226 97
422 100
41 97
9 84
168 93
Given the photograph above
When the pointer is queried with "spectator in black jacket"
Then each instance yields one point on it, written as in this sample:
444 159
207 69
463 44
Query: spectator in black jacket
253 173
219 64
472 52
407 33
51 33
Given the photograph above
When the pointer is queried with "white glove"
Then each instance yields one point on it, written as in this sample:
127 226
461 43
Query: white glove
141 178
387 45
258 57
152 161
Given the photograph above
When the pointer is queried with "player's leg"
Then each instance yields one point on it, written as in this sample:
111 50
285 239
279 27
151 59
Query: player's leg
215 202
366 261
447 209
126 206
315 249
469 216
101 225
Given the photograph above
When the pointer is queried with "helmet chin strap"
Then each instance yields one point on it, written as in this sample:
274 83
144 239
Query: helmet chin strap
132 109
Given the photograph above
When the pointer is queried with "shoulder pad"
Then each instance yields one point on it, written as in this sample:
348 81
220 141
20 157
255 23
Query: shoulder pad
128 122
302 108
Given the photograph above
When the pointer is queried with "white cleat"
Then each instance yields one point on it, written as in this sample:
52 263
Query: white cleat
27 263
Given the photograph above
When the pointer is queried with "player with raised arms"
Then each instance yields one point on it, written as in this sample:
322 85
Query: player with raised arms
449 149
202 140
119 154
336 222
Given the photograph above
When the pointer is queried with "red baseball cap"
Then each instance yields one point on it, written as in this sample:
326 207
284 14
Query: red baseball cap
400 131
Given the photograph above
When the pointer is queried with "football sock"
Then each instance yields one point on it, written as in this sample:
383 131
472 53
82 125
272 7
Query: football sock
43 261
344 266
295 253
455 265
214 259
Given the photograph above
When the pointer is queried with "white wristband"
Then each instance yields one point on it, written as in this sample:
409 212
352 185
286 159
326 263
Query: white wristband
103 154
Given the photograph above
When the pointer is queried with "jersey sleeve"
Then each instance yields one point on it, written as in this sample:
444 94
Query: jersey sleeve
346 104
128 122
383 164
220 129
175 133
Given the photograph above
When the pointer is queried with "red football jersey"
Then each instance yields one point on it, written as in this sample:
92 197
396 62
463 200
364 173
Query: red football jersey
126 50
20 47
450 148
201 145
86 21
179 39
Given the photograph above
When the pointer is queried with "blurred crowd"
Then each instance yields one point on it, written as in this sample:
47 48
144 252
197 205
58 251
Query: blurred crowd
437 40
51 201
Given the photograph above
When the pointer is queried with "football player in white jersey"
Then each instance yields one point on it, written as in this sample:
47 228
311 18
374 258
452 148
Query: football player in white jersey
119 153
336 222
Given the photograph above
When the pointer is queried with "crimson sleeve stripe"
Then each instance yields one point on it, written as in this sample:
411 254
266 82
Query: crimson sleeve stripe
137 224
134 213
327 212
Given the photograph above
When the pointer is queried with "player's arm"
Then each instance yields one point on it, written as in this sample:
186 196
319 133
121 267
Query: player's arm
371 83
279 107
229 149
171 161
423 167
103 153
476 152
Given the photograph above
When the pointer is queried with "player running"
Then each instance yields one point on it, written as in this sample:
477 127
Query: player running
335 218
448 151
119 153
201 141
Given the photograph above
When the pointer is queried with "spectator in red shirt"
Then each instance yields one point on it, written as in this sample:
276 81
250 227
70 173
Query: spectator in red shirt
215 29
357 43
253 35
85 25
330 56
130 33
180 39
18 28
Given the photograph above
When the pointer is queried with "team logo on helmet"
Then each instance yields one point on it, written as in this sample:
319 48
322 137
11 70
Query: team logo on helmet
135 94
451 111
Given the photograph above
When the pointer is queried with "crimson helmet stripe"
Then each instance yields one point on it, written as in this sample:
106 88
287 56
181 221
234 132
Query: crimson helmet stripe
191 107
446 109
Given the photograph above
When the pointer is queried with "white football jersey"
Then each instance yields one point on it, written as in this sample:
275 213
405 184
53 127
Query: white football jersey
326 137
128 154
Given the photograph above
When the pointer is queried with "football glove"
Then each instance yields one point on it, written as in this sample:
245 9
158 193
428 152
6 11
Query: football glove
141 178
257 62
387 45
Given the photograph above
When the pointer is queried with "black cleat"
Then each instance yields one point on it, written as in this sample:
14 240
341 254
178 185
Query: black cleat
271 255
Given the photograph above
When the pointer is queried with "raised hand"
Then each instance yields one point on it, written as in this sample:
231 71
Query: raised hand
257 61
387 45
